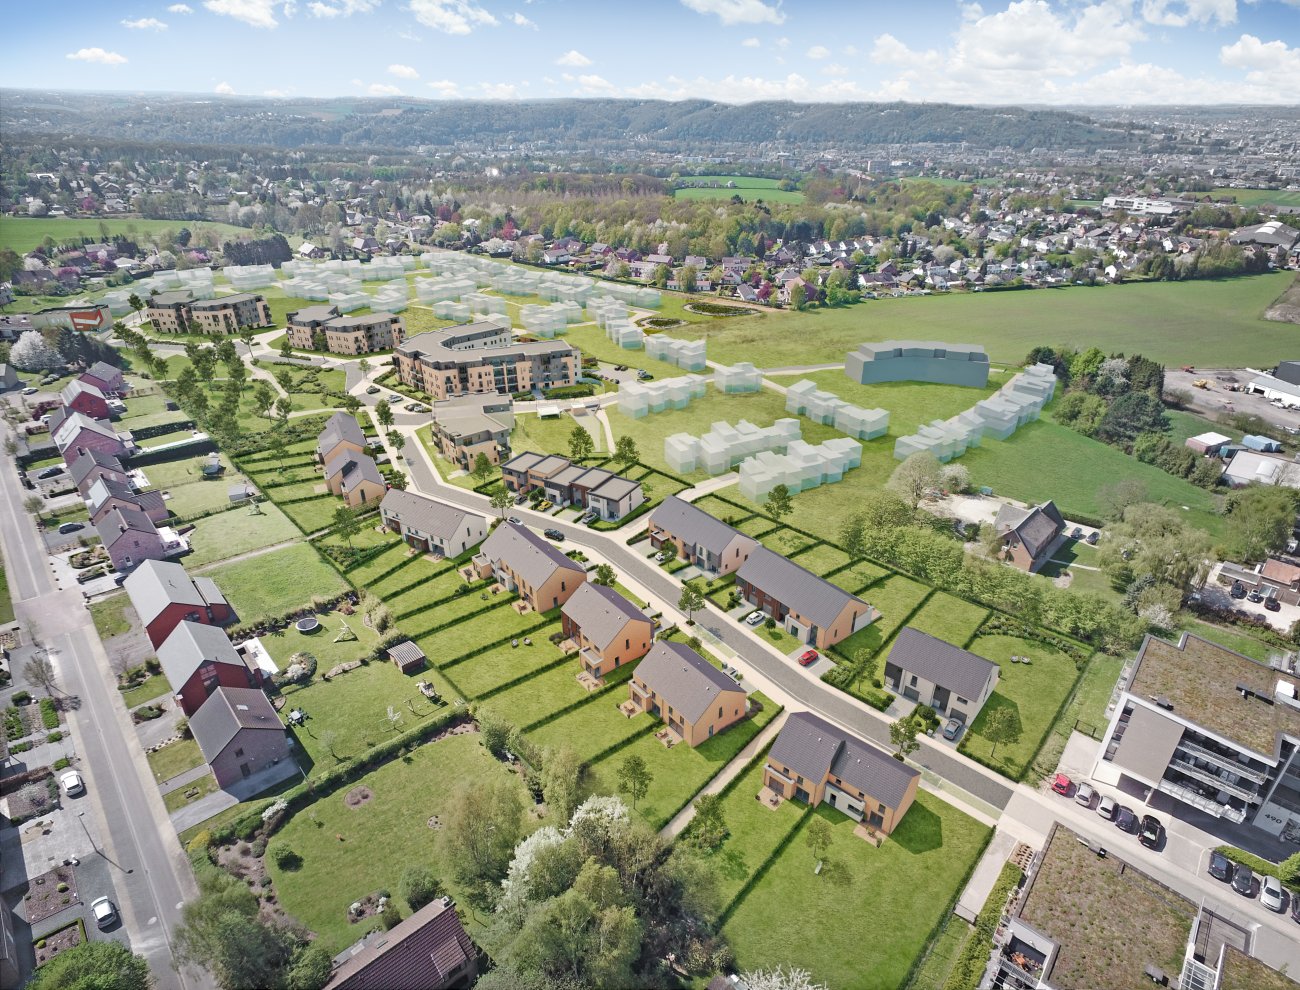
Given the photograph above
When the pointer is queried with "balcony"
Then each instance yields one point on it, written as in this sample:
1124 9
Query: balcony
1225 760
1208 805
1206 777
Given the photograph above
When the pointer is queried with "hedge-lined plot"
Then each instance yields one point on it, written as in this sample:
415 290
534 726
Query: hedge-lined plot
896 598
594 727
949 619
442 646
858 578
271 584
821 558
480 675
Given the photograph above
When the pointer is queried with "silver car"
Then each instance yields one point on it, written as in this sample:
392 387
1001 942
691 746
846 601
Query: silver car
1271 894
1085 795
1106 808
104 912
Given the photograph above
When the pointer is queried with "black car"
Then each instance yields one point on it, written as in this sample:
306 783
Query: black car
1092 538
1126 821
1243 881
71 527
50 472
1238 590
1254 596
553 534
1272 604
620 367
1220 867
1152 832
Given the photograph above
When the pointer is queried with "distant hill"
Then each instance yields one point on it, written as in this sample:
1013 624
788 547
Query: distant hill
399 123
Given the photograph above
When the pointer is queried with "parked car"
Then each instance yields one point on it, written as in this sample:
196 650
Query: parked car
1220 867
104 912
1093 537
587 517
1295 908
553 534
807 657
544 505
1077 534
1271 894
620 367
373 390
516 520
50 472
1238 590
1061 785
1243 880
952 728
755 618
30 390
660 558
1152 832
644 376
1106 808
1084 795
71 527
520 499
1272 604
1127 821
1254 596
72 783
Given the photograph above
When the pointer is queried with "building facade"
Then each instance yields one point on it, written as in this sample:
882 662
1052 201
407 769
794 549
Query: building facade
808 607
607 629
707 542
693 698
430 525
483 357
526 565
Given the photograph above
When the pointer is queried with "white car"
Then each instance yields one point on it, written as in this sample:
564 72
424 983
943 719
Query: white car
72 783
1084 795
29 390
103 912
755 618
660 558
1271 895
1106 808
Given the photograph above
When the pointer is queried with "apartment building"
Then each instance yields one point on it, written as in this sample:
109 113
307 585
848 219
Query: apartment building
344 334
469 425
173 312
483 357
1212 729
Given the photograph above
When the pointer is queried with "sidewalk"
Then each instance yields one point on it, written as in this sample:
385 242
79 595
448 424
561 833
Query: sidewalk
981 882
726 775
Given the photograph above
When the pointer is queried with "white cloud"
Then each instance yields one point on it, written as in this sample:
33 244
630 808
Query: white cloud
383 89
574 59
782 42
409 36
145 24
275 94
180 8
750 43
341 8
835 69
738 11
519 20
594 85
97 55
1180 13
403 72
451 16
445 88
224 89
1270 64
499 91
818 52
257 13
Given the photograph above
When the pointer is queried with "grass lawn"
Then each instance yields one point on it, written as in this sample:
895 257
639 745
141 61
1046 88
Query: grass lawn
6 601
151 687
231 533
859 579
551 435
1082 579
870 911
175 759
821 558
534 699
22 234
140 406
190 491
1033 693
787 542
455 641
949 619
895 598
1229 636
679 773
109 615
381 838
276 582
435 582
486 672
179 798
748 194
1259 197
944 950
1211 323
594 727
591 340
364 575
314 515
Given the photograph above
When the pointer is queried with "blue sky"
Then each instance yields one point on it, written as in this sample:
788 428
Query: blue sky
998 51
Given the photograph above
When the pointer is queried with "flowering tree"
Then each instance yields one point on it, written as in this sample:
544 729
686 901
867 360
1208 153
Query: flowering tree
32 353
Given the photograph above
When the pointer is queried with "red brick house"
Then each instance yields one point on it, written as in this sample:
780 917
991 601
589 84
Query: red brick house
79 432
163 596
130 537
197 659
427 951
106 494
239 733
87 399
88 466
1029 536
608 629
104 377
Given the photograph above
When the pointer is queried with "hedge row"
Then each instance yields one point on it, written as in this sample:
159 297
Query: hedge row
763 867
198 516
1259 865
463 618
486 647
973 959
574 706
158 429
405 561
468 590
516 681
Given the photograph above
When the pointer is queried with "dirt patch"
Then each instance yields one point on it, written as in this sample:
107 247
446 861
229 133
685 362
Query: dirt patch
239 861
60 941
368 907
434 823
44 898
1286 307
358 796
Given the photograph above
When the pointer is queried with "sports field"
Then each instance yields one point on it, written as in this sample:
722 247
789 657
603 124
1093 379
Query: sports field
1213 323
747 187
22 234
1260 197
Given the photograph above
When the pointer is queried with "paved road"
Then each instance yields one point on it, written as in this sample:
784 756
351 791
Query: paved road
150 873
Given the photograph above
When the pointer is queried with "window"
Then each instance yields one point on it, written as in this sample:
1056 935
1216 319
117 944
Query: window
913 680
239 752
962 701
719 711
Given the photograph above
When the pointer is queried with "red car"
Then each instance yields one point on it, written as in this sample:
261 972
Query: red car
1061 785
807 657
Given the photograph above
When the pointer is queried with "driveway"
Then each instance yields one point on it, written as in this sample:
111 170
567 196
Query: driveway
1217 400
1218 596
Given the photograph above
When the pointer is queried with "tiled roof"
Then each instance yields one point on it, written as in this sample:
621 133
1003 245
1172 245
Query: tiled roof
695 526
1036 527
797 589
601 613
425 515
683 679
941 663
226 713
338 428
88 460
190 646
813 747
426 950
526 553
156 584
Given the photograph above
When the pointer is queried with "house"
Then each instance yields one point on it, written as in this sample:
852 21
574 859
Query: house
163 596
106 494
78 396
813 761
808 607
607 629
527 565
430 525
609 495
953 682
197 659
483 357
529 470
1209 728
88 466
342 432
130 537
694 698
104 377
1209 444
427 951
469 425
708 543
79 432
354 476
407 657
9 379
1029 536
239 734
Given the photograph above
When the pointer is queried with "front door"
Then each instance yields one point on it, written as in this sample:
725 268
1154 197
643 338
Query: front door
244 769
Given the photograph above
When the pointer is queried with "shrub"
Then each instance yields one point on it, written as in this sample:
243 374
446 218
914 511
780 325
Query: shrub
62 888
54 737
286 859
49 713
20 697
259 847
202 840
62 763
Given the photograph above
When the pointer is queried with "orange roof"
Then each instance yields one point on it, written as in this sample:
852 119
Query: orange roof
1280 571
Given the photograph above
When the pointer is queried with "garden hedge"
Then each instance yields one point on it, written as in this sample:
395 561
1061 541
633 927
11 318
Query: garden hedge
973 959
763 867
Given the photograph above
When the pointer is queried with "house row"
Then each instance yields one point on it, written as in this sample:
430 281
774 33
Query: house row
429 525
609 495
483 357
180 312
349 471
352 335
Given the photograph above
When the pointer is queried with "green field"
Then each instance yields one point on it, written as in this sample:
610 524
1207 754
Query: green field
1216 324
22 234
747 187
273 583
6 602
1258 197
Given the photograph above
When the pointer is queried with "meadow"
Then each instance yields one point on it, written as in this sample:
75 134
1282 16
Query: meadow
747 187
1259 197
23 234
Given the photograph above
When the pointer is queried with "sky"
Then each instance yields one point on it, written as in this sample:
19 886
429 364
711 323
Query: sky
737 51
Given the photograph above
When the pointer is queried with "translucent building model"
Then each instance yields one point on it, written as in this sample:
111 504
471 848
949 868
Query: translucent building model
801 467
725 446
686 354
742 377
245 277
637 399
806 399
625 334
918 361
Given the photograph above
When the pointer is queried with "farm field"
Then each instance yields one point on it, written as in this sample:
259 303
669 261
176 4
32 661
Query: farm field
1211 323
747 187
22 234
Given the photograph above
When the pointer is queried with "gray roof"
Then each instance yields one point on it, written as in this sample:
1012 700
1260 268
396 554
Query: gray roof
523 461
120 520
162 300
221 302
76 387
528 555
601 613
941 663
190 646
406 653
695 526
88 460
426 515
797 589
104 371
74 423
354 467
683 679
156 584
1036 527
813 748
209 591
616 488
338 428
227 712
313 314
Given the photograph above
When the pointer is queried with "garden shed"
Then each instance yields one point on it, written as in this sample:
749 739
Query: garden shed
408 657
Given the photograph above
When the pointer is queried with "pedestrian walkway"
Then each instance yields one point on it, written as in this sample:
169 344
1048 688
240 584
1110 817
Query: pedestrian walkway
972 899
184 779
727 774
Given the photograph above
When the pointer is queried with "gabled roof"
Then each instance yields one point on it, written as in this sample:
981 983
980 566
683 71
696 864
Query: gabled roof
354 467
1036 528
106 487
76 423
121 520
427 515
226 713
102 370
695 526
157 584
526 553
812 747
88 460
601 613
338 428
941 663
1280 571
683 679
797 589
424 950
76 387
190 646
